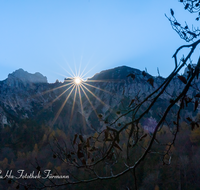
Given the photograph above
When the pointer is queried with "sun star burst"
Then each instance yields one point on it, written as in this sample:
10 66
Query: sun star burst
77 85
77 80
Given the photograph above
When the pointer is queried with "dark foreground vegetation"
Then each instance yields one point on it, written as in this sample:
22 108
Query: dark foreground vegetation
31 148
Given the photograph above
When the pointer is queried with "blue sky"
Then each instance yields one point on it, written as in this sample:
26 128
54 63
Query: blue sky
48 36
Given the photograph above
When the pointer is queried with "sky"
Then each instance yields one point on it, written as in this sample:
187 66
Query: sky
58 37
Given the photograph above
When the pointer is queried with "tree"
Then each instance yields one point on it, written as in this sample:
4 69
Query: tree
120 149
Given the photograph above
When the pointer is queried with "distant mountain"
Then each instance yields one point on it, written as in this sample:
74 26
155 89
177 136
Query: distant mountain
25 77
30 96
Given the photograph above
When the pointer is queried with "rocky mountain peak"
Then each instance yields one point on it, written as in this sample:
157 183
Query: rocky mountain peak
117 73
25 77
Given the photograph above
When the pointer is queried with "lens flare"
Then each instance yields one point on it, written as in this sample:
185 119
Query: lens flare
73 86
77 80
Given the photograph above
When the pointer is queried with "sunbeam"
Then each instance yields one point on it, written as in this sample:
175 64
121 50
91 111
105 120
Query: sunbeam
109 80
81 75
62 86
61 108
83 85
82 112
58 97
89 100
79 70
78 88
74 101
84 74
98 88
71 74
94 95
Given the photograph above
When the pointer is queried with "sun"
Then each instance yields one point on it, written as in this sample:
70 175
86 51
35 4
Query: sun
77 86
77 80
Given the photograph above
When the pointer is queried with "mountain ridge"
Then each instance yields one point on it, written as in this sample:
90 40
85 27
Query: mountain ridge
27 98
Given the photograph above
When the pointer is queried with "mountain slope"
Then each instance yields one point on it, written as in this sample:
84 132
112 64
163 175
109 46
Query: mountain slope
30 96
